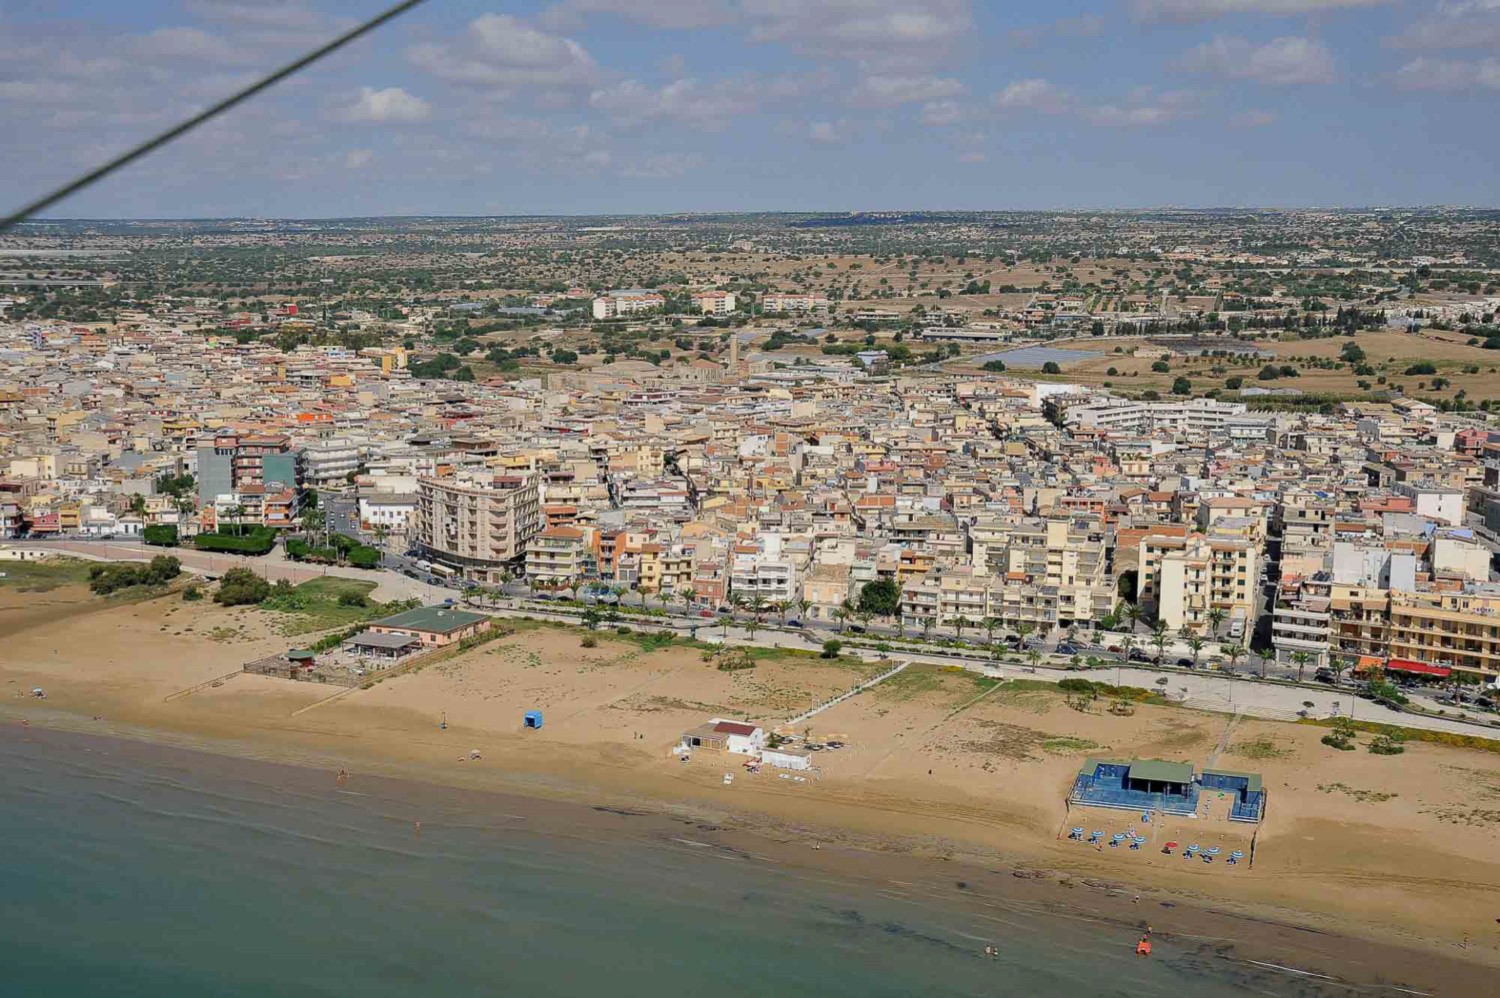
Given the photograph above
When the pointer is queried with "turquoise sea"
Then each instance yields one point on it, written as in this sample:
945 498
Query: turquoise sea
132 870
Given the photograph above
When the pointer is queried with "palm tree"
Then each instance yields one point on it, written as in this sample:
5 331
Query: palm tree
958 624
1195 643
758 606
1337 664
991 625
1300 660
1233 652
842 615
797 605
1133 611
928 623
1024 629
1034 656
687 595
900 624
1159 639
1216 620
781 606
1127 645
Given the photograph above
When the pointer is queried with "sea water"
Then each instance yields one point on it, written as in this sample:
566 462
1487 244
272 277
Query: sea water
127 872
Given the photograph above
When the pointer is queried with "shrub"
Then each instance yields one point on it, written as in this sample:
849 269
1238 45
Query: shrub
106 579
832 647
1422 367
1051 367
1182 386
1388 743
353 599
242 587
1161 367
192 594
589 641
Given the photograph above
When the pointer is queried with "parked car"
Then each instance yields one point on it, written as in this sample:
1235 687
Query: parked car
705 613
1136 655
857 628
794 622
1115 649
1186 663
1067 649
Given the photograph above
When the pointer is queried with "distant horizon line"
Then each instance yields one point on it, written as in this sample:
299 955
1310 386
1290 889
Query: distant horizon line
1286 209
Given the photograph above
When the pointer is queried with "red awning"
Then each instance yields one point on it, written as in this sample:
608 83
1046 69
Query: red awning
1417 668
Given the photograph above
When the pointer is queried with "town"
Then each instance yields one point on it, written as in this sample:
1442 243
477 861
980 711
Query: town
1186 452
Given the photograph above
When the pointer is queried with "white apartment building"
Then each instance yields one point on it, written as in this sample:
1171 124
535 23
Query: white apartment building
328 463
777 302
1184 578
714 302
391 512
477 524
627 301
1187 416
555 556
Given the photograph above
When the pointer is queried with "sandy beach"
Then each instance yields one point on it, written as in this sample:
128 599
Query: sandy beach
1370 865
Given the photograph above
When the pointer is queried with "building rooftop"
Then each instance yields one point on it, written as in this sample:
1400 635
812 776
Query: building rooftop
431 619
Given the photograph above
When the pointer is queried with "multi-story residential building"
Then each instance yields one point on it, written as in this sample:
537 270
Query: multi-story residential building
1064 559
1301 620
778 302
477 525
714 302
555 556
1182 579
330 463
389 513
1460 630
938 598
232 461
627 301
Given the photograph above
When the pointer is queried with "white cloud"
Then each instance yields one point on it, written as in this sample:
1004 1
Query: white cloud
942 113
828 133
1449 74
1033 95
710 107
499 52
391 106
1282 61
1454 25
358 159
662 166
265 14
1253 119
192 44
905 31
680 14
887 91
1143 107
1205 10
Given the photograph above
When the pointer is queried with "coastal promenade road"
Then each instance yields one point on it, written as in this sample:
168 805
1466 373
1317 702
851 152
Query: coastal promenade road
272 567
1197 690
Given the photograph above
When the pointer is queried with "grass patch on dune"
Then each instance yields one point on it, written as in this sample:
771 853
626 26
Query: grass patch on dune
1065 745
45 575
1259 748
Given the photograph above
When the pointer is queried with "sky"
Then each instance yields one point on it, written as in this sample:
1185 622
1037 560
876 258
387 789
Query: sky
479 107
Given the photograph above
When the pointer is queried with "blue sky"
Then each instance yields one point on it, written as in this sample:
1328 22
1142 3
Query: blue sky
589 106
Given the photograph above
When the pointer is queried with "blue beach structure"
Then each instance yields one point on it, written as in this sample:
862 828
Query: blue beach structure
1153 786
533 719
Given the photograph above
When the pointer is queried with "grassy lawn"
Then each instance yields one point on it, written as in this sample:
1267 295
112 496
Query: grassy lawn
44 576
315 605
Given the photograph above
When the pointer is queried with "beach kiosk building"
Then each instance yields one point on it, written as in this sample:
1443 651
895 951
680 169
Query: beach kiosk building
1137 785
433 626
1248 795
719 735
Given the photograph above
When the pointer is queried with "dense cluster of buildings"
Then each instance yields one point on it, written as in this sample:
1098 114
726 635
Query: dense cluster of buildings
1362 534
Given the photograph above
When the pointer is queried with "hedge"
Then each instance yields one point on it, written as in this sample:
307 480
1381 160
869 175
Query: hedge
259 541
162 535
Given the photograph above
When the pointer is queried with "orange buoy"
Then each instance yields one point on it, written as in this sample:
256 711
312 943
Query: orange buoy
1143 948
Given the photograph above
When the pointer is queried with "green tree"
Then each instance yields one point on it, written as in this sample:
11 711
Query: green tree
1182 386
881 597
241 587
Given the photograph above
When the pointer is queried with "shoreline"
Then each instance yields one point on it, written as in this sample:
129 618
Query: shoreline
1254 937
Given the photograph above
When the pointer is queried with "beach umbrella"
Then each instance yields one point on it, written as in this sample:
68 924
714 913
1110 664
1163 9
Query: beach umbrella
1213 850
1172 844
1193 847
